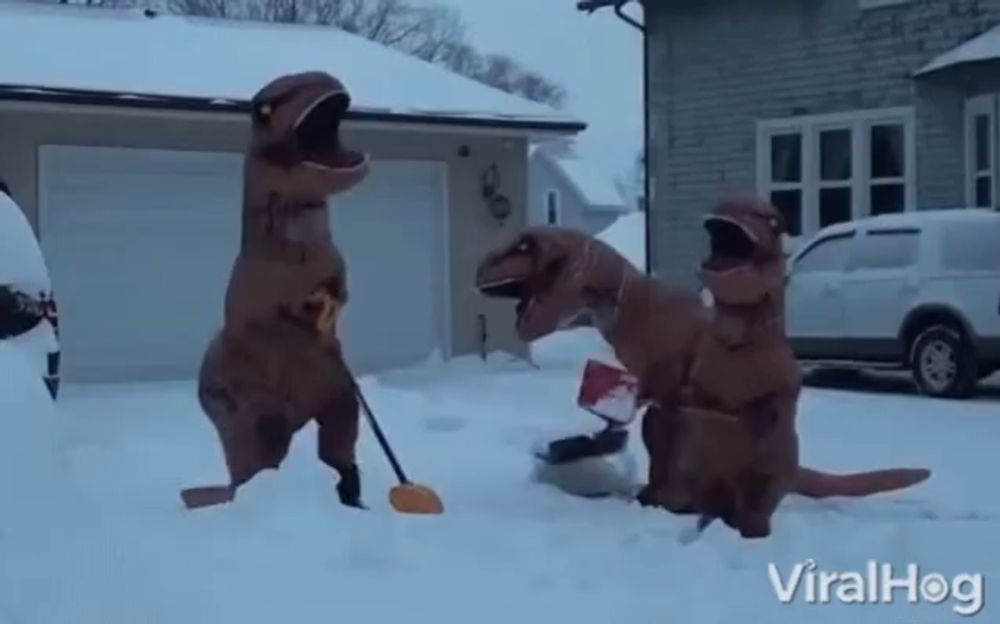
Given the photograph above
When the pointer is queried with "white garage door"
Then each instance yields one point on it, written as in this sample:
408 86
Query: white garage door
140 244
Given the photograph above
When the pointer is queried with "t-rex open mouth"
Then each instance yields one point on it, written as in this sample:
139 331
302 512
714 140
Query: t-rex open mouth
317 132
519 288
520 275
732 244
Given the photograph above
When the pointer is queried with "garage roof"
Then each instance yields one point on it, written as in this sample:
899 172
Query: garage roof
143 59
984 47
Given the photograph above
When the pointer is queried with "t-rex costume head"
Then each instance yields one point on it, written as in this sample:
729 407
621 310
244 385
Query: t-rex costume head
745 263
277 363
560 278
296 131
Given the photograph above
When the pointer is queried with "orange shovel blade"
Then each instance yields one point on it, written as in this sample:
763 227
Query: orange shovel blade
413 498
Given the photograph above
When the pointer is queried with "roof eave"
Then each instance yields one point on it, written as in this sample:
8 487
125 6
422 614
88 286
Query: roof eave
112 100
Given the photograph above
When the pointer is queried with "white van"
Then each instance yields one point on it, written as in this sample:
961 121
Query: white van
28 312
917 291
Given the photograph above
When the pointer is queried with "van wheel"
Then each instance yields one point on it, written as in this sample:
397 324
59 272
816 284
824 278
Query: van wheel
944 366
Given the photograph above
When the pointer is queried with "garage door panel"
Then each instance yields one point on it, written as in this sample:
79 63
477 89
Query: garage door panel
140 245
391 229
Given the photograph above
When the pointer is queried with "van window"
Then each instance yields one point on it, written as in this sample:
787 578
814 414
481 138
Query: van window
829 254
971 246
886 249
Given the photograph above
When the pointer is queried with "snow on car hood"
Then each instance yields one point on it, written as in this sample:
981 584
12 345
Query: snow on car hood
21 262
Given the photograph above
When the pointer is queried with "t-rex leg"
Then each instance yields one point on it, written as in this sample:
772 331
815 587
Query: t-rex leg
756 501
338 437
660 435
254 433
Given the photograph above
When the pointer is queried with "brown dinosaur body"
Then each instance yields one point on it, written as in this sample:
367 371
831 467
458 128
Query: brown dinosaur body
720 384
277 363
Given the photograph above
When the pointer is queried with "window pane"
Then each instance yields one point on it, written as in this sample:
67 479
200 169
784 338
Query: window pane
834 206
835 154
982 142
786 158
972 246
984 191
887 152
827 255
887 198
886 251
789 204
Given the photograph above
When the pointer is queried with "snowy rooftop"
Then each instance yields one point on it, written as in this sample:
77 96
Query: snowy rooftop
134 59
984 47
595 184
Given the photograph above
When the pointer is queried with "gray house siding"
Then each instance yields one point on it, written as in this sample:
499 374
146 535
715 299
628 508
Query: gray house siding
717 68
573 211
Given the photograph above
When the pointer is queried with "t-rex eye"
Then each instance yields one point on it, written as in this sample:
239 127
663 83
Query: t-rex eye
263 111
523 247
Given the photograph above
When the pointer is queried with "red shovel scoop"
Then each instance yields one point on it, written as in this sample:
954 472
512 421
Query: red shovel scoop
609 392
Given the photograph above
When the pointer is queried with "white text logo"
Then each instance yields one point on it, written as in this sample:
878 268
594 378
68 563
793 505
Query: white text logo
878 584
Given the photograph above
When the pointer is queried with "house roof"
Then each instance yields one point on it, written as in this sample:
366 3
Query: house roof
144 59
984 47
595 185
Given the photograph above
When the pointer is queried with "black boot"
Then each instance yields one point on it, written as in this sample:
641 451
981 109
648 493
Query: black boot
349 487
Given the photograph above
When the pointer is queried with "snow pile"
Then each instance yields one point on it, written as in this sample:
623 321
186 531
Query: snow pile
116 546
570 349
35 481
628 237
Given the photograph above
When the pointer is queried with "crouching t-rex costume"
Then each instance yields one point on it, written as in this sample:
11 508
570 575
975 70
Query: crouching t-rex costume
277 363
720 384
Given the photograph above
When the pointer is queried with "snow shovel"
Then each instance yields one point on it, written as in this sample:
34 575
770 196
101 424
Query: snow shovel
407 497
611 394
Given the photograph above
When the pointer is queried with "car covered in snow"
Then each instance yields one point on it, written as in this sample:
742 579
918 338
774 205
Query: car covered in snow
917 291
28 312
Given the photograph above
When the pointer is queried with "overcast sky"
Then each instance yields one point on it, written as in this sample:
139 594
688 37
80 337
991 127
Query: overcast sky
597 58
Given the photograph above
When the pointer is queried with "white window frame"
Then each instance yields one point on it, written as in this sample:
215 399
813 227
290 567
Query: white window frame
816 163
553 193
974 107
860 122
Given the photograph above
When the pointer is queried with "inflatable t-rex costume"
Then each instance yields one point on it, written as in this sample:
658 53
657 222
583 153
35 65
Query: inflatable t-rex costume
720 385
277 363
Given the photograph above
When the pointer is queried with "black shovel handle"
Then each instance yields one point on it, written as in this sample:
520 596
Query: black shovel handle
383 442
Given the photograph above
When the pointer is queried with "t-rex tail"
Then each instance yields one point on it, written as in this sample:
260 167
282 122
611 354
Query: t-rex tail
816 484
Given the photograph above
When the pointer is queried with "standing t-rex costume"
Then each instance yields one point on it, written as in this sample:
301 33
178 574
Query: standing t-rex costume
677 348
277 363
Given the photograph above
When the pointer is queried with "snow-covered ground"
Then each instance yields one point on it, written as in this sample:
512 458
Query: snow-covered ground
93 530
